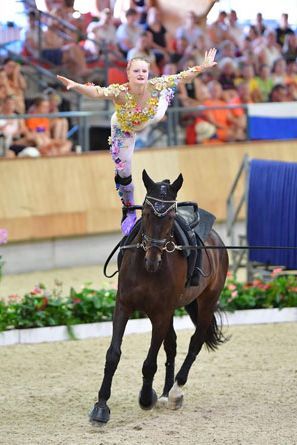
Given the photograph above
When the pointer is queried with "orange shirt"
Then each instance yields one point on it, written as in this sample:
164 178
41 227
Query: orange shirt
33 123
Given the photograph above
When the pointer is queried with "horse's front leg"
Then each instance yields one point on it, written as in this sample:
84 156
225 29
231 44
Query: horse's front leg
170 350
101 411
147 396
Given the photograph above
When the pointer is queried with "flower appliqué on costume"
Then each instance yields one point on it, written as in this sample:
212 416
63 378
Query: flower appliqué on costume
131 115
116 143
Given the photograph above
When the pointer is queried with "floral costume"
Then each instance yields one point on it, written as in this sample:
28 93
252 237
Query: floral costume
128 119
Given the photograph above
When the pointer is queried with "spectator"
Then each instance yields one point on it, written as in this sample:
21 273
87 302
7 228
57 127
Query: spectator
66 11
60 52
259 25
227 49
283 29
227 126
143 50
11 128
278 94
228 73
5 89
190 30
40 129
235 31
128 33
290 48
218 30
160 38
17 83
141 8
279 73
104 33
58 126
292 72
248 76
31 36
270 50
264 82
292 91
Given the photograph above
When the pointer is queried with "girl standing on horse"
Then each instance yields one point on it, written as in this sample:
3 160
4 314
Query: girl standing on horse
138 103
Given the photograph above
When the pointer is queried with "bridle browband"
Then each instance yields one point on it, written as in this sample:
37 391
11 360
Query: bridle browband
148 242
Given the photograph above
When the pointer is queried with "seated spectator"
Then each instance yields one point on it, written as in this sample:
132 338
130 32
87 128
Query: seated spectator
227 125
228 73
141 8
278 72
278 94
5 89
17 83
292 91
40 130
160 39
66 11
58 51
226 49
283 29
254 38
235 31
190 92
128 33
31 36
264 82
12 129
143 50
104 33
248 76
190 31
59 125
269 50
218 30
290 48
292 72
259 25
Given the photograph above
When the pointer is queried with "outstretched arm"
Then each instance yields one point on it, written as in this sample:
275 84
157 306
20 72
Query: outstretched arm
90 90
187 75
191 73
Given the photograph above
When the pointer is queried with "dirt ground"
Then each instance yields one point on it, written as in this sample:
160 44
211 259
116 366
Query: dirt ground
245 393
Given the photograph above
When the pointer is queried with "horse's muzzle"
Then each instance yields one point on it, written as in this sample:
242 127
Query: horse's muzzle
152 265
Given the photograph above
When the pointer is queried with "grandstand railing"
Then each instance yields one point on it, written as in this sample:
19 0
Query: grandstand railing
171 124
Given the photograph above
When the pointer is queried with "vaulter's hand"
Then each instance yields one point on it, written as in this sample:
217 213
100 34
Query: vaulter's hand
67 82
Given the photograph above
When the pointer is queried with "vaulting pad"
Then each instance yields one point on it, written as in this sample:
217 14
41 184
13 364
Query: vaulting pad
272 211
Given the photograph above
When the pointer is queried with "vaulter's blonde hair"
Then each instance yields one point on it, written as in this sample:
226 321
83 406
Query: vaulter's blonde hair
135 59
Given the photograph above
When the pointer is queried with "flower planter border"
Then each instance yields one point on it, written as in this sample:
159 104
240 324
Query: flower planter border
104 329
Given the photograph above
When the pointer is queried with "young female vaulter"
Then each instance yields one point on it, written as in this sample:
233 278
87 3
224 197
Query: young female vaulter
138 103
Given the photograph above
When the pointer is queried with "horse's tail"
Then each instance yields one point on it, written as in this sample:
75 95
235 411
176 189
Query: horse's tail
214 335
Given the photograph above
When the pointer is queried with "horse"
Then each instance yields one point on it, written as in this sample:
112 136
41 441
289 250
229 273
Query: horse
152 280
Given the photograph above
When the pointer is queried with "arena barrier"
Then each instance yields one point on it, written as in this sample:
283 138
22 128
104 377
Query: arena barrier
74 195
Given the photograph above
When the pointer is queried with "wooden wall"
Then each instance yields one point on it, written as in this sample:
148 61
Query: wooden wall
75 195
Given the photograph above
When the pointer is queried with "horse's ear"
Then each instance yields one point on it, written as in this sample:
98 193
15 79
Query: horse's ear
148 182
176 185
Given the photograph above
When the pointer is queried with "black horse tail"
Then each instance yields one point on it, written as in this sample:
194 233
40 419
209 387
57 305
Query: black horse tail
214 335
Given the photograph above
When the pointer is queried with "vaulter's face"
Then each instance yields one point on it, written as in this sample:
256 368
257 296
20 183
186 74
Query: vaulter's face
138 72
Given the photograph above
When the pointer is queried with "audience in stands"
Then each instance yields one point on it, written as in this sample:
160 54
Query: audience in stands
254 65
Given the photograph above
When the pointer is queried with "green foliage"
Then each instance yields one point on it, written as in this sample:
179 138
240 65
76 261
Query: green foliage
40 307
280 292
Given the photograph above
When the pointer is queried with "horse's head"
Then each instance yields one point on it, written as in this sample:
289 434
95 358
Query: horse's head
158 215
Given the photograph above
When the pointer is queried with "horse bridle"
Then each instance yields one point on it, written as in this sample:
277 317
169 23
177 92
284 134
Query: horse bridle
162 244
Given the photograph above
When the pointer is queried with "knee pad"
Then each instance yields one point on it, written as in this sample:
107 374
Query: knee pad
122 181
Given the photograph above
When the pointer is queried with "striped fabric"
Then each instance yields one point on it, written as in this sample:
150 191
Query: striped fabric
272 211
273 120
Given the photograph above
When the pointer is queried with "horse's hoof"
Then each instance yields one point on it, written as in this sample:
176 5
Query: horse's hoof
162 402
175 397
150 405
100 413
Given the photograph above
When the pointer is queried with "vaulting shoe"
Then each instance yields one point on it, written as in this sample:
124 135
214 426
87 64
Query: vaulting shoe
128 223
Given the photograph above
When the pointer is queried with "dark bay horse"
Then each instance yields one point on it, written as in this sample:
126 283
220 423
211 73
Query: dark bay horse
152 279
